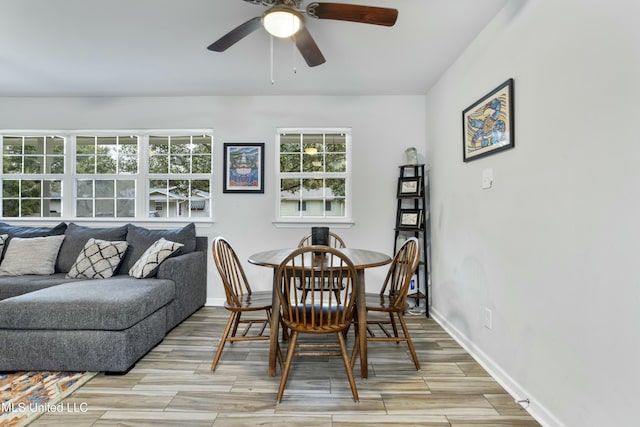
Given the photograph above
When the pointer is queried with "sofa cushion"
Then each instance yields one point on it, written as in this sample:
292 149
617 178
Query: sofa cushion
116 303
34 255
20 231
148 264
11 286
140 239
99 259
77 236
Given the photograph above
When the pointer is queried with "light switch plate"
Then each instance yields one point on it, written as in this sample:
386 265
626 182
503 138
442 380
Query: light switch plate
487 178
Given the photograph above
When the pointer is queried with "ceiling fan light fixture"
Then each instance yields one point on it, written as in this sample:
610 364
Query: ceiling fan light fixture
282 22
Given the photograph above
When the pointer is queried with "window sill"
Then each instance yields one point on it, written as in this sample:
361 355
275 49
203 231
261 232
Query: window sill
313 222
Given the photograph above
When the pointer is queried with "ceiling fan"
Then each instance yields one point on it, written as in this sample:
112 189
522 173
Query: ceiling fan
285 19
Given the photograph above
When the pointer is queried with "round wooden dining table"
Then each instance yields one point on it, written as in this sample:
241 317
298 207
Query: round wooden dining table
361 259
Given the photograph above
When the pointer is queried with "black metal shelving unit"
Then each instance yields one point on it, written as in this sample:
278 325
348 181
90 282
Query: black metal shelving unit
413 219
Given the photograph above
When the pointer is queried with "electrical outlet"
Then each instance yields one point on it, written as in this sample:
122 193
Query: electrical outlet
488 318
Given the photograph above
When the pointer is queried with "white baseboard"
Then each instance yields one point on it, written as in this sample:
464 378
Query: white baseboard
214 302
535 409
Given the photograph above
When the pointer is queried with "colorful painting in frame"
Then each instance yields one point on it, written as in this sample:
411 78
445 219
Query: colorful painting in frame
488 124
243 168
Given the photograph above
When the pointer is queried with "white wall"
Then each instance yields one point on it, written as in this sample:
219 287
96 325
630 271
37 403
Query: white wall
382 128
552 248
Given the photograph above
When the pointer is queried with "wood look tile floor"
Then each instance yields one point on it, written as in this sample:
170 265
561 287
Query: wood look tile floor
174 386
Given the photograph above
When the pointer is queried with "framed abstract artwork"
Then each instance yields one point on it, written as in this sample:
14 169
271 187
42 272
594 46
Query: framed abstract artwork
243 168
487 125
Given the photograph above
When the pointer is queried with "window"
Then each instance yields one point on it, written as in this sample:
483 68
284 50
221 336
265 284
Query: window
26 160
180 175
314 174
106 173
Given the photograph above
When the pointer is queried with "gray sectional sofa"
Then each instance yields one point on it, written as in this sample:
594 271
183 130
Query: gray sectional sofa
53 322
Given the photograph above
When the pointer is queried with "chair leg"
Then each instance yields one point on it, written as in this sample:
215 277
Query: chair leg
412 350
347 366
223 340
293 340
392 320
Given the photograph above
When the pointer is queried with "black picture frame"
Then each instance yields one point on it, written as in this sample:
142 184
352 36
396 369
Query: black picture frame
488 124
410 186
243 167
410 219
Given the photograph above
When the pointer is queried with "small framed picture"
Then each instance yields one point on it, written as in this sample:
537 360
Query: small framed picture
410 187
410 219
243 168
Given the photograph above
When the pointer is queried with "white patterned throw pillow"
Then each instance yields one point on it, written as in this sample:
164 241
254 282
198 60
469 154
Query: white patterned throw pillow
98 259
151 259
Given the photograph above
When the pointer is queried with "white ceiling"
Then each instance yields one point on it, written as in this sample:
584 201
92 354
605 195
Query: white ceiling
158 48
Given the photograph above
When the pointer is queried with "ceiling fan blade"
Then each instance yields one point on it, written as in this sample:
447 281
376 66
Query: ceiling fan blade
353 13
308 48
235 35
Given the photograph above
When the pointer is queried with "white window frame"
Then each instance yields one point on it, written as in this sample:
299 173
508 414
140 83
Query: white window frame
141 178
305 221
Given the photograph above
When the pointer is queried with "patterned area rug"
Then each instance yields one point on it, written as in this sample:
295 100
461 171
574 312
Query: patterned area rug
27 395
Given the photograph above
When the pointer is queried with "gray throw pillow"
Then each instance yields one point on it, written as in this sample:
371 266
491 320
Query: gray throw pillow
33 255
140 239
20 231
77 236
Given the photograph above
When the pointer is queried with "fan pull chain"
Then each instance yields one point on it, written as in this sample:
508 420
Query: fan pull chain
293 56
272 79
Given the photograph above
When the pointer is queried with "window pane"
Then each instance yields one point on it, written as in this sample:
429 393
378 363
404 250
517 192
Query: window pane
34 145
12 164
180 145
201 164
105 164
125 208
30 208
51 207
85 164
85 145
201 144
128 164
31 189
179 164
105 208
290 163
33 164
10 188
125 188
84 208
336 143
55 164
336 163
158 145
11 208
84 188
335 187
159 164
55 145
12 145
312 163
290 188
105 188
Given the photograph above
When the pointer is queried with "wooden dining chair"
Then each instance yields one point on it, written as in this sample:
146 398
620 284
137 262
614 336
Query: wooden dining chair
240 299
392 300
323 311
335 241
